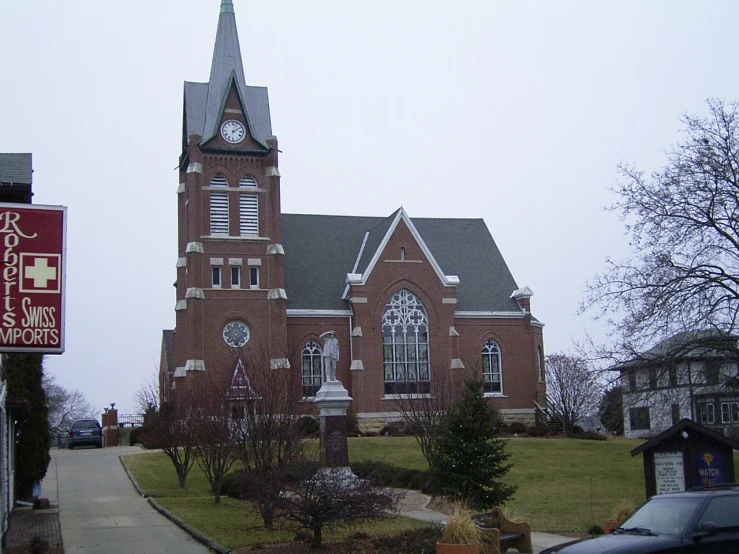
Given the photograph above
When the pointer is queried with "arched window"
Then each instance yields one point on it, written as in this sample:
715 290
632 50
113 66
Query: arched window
219 206
492 377
311 368
248 207
405 340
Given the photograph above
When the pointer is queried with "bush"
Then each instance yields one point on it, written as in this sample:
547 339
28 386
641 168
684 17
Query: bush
308 426
387 474
421 540
234 485
33 439
595 530
135 436
538 430
589 436
516 428
352 425
394 429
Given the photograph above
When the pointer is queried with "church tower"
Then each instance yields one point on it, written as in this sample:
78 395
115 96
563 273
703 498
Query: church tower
230 276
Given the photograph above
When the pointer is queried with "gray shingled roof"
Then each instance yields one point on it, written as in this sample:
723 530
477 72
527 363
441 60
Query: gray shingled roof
16 169
700 344
321 249
204 102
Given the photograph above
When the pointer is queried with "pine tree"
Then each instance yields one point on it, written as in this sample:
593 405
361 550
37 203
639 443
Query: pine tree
470 460
33 439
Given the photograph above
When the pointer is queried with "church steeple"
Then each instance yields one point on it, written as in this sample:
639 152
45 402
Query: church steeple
205 102
226 69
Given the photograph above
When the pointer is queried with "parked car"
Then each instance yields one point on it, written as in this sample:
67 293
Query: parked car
700 520
85 432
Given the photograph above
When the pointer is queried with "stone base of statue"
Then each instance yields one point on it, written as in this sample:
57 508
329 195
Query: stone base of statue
333 400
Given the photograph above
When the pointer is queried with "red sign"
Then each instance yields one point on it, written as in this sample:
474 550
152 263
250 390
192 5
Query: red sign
33 242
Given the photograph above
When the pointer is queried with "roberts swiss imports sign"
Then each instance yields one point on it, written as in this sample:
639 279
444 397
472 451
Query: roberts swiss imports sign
33 242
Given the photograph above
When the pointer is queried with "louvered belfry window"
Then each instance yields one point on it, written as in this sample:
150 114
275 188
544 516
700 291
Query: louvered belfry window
219 206
248 207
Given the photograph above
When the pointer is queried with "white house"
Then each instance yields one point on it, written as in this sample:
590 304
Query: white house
691 375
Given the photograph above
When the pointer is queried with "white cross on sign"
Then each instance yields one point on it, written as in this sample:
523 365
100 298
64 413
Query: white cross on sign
40 272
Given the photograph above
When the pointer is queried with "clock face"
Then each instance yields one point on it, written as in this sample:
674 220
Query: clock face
233 131
236 334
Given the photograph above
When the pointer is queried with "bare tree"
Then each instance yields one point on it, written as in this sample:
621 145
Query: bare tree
146 398
213 426
683 274
330 498
424 414
173 430
268 438
573 390
65 406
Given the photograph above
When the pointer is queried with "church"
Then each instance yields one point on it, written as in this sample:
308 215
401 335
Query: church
410 300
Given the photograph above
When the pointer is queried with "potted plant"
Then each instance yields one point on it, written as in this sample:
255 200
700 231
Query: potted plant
461 535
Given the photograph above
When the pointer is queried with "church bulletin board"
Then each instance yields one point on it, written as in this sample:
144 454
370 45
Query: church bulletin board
685 456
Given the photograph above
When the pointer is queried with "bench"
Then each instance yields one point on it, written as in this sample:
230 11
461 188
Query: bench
499 533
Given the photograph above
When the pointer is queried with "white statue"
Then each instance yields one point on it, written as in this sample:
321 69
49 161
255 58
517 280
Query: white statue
330 355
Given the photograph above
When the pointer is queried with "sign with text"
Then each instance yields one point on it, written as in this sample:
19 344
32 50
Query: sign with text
669 472
33 241
710 467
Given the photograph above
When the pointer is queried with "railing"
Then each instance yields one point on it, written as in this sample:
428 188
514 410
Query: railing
130 420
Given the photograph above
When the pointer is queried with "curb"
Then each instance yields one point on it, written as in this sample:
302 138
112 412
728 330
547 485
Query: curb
197 535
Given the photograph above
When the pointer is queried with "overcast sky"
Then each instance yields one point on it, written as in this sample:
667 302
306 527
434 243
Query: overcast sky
514 112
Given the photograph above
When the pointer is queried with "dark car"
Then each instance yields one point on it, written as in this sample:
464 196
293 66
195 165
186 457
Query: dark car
700 520
85 432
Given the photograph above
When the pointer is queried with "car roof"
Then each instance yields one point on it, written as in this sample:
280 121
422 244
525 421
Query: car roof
727 489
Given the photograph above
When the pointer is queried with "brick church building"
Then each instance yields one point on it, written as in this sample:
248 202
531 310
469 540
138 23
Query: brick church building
411 299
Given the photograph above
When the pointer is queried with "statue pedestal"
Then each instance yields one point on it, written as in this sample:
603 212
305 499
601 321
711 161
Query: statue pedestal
333 400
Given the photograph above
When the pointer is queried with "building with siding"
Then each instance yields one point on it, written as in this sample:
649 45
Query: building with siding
411 299
692 375
15 187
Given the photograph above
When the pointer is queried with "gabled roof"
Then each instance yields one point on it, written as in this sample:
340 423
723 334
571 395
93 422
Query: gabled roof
204 102
686 425
320 250
700 344
16 169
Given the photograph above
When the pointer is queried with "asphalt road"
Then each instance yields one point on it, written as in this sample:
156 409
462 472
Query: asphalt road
100 511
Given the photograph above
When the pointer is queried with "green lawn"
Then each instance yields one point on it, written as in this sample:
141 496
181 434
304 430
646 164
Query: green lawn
232 523
563 485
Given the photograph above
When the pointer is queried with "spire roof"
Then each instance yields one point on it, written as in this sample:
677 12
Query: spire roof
226 69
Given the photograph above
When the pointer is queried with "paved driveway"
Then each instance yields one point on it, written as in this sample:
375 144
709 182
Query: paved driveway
100 511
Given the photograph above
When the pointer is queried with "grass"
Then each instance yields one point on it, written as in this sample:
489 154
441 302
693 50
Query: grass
232 523
563 486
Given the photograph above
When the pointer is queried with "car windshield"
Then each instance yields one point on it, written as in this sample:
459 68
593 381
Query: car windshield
663 515
91 424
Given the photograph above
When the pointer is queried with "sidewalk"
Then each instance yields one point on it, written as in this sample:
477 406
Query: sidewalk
29 526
